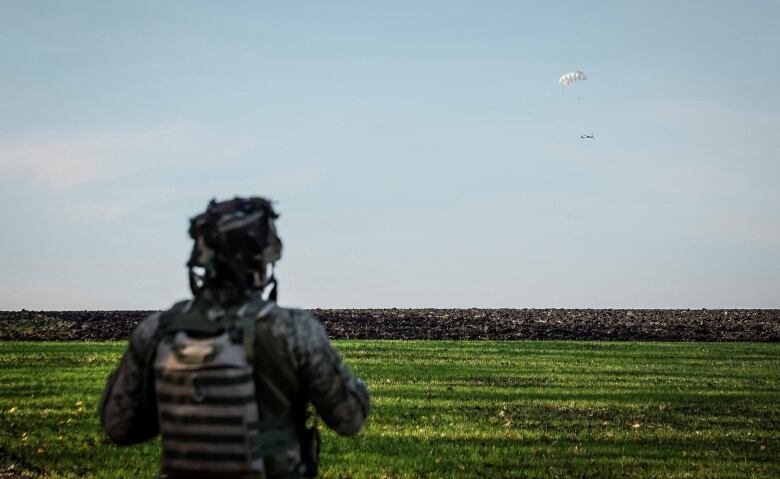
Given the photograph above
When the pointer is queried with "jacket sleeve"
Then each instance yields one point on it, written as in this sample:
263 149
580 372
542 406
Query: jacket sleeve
341 399
128 410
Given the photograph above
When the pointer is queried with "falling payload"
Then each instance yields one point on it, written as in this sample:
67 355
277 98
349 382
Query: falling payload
572 77
566 80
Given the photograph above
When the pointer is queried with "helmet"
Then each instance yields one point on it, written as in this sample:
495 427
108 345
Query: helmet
235 240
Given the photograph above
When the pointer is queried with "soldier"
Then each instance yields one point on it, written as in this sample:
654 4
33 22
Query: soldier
226 377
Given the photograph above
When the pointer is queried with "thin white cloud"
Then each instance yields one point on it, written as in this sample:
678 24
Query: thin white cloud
148 162
58 162
64 160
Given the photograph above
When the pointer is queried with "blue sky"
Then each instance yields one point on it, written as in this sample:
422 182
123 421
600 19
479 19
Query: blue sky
421 153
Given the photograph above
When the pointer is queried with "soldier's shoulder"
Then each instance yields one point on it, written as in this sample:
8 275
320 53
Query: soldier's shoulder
300 324
178 306
296 314
295 331
148 326
299 319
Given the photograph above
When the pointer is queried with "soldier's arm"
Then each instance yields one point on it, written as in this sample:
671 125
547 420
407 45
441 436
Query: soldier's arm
128 412
341 399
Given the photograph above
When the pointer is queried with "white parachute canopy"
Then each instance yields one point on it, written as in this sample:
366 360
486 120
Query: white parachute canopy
572 77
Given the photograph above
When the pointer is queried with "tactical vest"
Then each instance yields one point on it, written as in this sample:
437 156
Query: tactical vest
207 397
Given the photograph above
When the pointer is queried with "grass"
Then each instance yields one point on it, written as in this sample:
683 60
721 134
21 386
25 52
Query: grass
457 409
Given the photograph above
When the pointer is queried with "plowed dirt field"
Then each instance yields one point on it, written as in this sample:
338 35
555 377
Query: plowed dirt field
496 324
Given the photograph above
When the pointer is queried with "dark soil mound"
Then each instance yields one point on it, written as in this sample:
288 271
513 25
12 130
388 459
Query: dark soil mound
595 324
69 325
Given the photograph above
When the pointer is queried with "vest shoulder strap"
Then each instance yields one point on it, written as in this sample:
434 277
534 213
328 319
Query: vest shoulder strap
263 352
248 314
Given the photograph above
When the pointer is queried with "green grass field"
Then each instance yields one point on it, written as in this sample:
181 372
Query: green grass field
457 409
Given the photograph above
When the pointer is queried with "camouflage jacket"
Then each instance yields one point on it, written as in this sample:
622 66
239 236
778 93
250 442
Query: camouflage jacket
294 345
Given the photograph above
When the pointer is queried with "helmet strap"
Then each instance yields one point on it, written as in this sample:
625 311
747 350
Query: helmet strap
274 285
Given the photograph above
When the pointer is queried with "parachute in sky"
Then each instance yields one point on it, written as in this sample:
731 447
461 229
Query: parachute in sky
572 77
